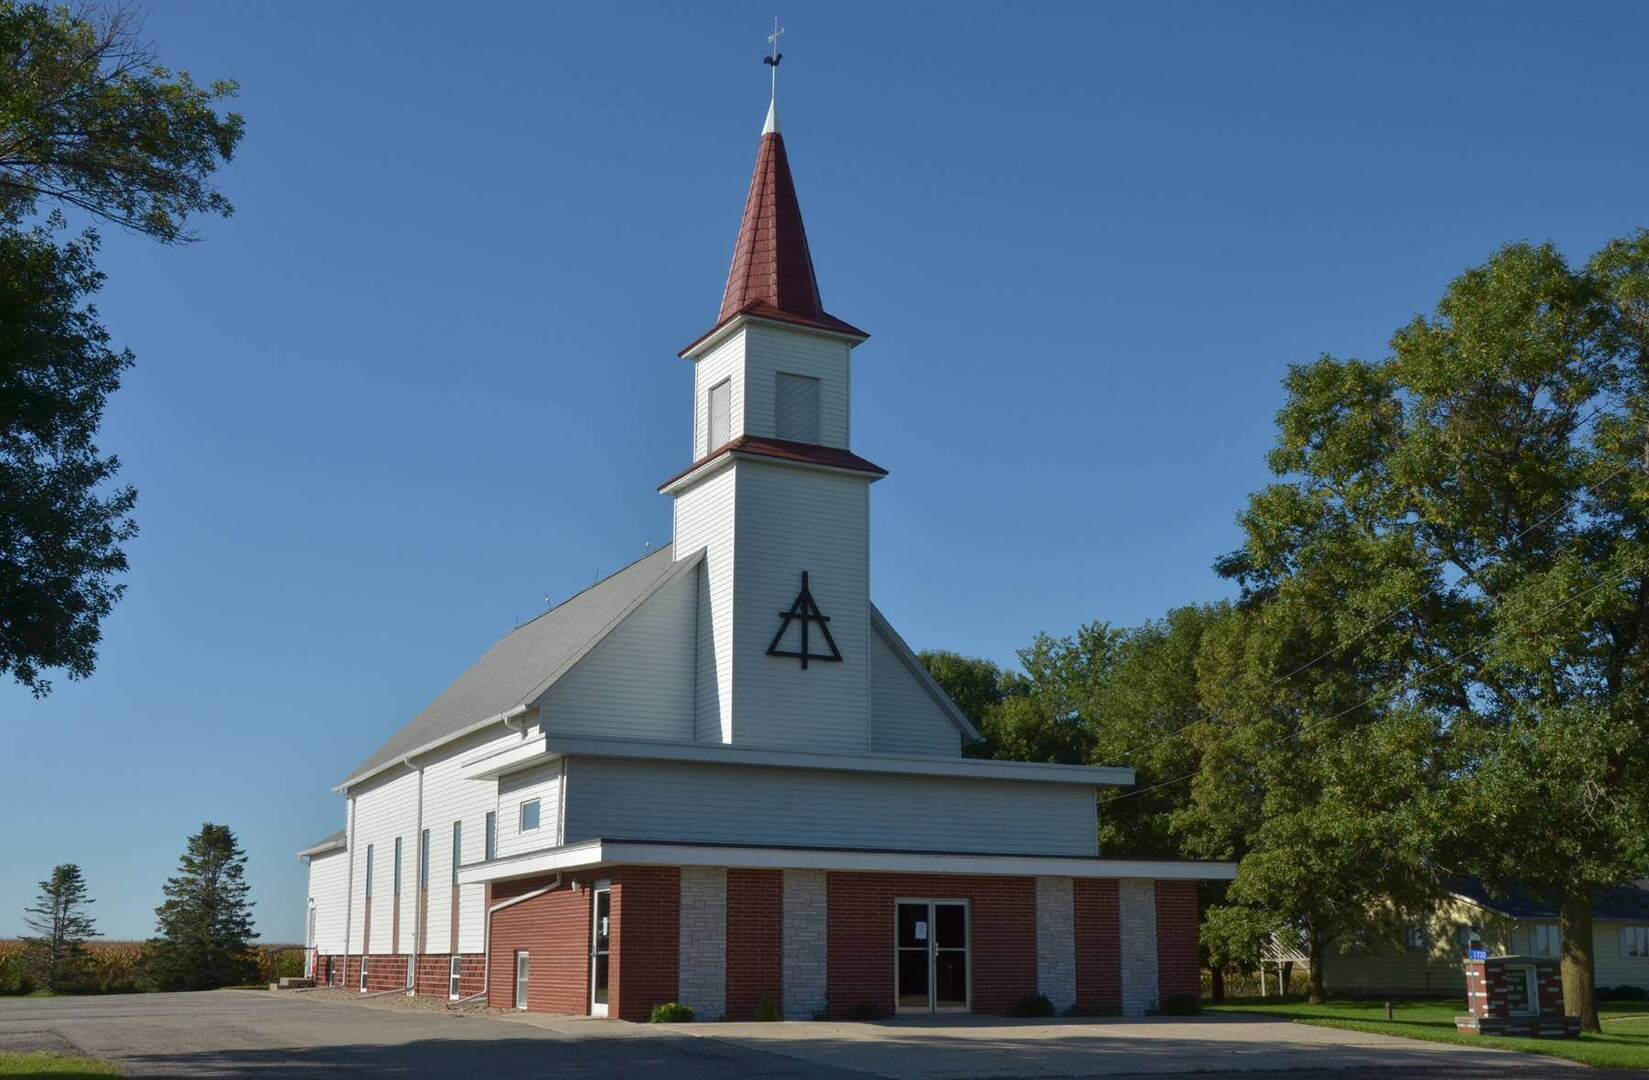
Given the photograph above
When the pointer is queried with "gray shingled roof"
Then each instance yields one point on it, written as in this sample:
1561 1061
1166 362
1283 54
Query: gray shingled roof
1624 902
520 665
336 840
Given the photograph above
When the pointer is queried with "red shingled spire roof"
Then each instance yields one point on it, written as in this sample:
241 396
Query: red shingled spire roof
772 273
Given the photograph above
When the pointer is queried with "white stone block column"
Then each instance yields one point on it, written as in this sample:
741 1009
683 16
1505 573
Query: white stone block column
1056 941
701 974
805 948
1137 925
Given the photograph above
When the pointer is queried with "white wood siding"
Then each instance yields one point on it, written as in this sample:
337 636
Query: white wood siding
449 797
904 718
725 361
791 520
646 800
704 520
328 891
769 350
543 784
385 808
638 682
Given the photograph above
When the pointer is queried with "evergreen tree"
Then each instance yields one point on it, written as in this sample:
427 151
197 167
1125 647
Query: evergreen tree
61 926
205 925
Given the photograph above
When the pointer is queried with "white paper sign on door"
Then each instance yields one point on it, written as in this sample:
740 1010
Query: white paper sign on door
921 931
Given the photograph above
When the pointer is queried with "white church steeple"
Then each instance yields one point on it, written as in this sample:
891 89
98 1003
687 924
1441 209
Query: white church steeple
775 496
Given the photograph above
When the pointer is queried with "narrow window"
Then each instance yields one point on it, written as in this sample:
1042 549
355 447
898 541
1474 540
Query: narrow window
369 871
452 979
796 408
457 848
529 815
521 980
492 835
397 866
363 974
423 860
721 414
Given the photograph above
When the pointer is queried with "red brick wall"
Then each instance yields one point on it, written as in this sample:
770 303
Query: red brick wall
435 969
1179 972
860 936
554 929
1098 947
385 972
644 940
755 933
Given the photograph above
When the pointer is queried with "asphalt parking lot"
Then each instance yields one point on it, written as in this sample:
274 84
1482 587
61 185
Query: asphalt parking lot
265 1035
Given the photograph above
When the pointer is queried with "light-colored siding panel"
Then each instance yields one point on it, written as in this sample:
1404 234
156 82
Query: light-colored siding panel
638 682
384 809
328 891
542 783
904 718
769 350
704 521
790 521
1614 969
725 361
647 800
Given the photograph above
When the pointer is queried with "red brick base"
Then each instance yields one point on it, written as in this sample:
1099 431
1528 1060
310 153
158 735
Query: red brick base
755 936
1098 947
1179 964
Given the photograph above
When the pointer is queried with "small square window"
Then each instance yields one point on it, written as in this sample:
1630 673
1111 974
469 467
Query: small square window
1418 939
529 815
1634 942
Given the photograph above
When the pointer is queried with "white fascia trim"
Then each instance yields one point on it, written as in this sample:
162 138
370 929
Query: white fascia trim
322 849
728 457
901 764
515 712
740 321
496 762
597 853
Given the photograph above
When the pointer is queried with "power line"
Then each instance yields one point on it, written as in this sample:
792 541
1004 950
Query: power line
1439 666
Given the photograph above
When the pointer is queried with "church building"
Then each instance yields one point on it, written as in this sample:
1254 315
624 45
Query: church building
720 777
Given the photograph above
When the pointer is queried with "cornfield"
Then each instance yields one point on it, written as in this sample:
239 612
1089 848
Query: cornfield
112 966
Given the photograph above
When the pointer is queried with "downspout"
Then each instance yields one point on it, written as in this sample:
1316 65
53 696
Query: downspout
486 936
349 889
417 885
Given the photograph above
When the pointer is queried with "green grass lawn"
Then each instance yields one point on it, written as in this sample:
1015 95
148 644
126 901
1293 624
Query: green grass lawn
1624 1043
42 1064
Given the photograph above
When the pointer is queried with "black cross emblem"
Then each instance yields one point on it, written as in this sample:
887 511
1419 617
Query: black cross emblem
806 612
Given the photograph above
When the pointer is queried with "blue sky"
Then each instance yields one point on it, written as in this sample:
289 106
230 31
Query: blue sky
426 376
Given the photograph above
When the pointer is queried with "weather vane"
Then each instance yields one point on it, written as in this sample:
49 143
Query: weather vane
773 61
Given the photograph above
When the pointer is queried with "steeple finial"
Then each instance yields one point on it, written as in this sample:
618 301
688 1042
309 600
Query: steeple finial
771 127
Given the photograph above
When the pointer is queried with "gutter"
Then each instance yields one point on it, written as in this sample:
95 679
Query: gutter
486 937
512 713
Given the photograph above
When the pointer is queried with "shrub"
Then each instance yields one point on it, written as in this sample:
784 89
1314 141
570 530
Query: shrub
1033 1005
1622 993
14 975
767 1010
672 1013
865 1010
1178 1005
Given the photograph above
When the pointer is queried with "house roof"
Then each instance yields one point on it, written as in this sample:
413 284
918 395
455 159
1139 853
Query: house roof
335 842
521 664
1624 902
784 450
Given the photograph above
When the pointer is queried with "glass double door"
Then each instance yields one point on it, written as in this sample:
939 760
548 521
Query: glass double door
931 955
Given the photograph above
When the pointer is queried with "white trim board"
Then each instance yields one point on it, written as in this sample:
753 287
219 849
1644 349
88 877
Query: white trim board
554 746
596 853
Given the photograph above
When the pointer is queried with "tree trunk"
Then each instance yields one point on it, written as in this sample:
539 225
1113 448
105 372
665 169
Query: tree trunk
1319 989
1216 982
1576 930
1285 976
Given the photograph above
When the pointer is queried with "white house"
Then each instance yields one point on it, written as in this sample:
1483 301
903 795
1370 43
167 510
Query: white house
720 776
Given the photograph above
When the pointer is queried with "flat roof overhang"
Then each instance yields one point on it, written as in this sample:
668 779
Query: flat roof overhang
542 749
595 854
